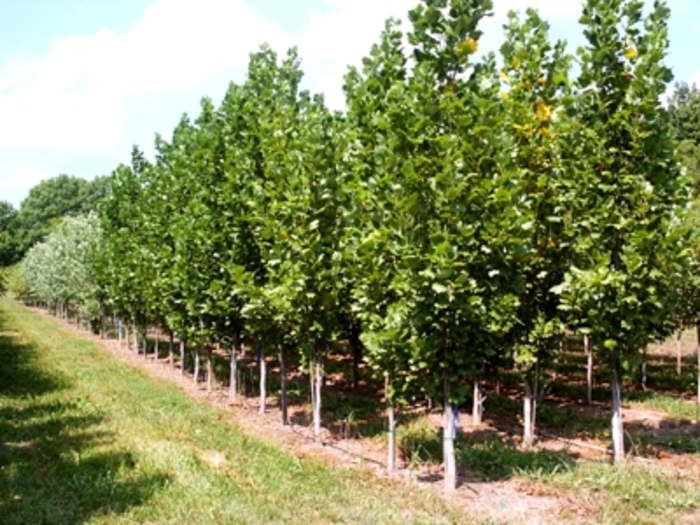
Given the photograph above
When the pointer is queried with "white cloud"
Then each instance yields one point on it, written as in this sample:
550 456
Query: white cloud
341 36
74 98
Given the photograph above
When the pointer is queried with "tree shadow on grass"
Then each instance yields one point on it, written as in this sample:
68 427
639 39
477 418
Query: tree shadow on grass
483 456
57 463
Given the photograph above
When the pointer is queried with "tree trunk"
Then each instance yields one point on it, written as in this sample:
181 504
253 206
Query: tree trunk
144 334
679 353
356 354
182 357
555 361
119 333
263 379
135 330
643 381
233 372
528 414
283 385
196 365
588 347
316 385
171 356
155 345
478 407
697 347
617 428
210 369
391 452
448 437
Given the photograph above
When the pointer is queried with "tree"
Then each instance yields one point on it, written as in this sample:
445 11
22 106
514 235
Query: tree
626 209
436 192
49 200
684 107
9 252
60 269
535 75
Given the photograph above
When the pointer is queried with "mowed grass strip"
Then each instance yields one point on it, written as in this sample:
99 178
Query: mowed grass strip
85 438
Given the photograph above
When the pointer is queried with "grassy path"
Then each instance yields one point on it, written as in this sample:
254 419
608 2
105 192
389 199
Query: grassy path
86 439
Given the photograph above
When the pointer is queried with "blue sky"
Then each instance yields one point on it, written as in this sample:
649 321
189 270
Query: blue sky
81 81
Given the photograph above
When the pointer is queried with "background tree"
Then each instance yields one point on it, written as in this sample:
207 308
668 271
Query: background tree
684 107
9 249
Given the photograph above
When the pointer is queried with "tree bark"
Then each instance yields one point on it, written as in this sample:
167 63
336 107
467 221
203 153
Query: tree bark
589 368
528 414
697 348
263 379
155 345
283 386
316 385
391 452
643 381
182 357
448 437
478 407
617 427
171 356
679 353
144 334
233 372
196 365
210 369
356 354
135 330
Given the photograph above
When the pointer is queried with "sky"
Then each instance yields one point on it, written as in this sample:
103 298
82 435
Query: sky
82 81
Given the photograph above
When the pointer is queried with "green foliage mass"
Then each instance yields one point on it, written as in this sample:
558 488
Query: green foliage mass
39 214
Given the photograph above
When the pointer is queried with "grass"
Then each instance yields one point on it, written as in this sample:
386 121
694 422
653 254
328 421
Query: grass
673 406
87 439
625 494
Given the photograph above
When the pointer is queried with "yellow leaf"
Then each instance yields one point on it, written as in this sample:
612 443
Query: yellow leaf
543 111
467 47
630 53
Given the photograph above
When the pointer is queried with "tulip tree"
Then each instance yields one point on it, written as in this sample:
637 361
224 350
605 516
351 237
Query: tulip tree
441 235
535 77
627 203
302 232
264 118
